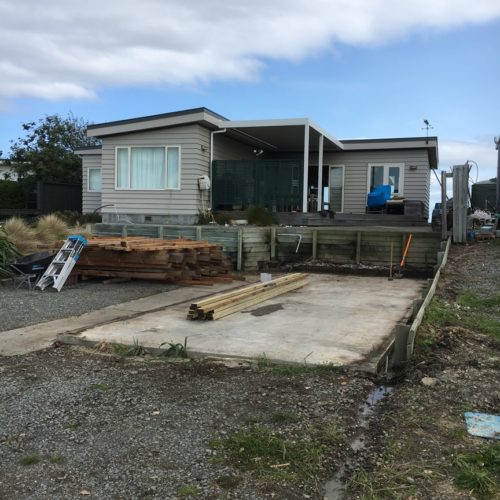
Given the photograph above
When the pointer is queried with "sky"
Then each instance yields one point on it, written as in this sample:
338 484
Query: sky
358 68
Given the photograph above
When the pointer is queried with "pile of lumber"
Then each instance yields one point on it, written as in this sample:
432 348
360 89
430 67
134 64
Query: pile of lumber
180 261
224 304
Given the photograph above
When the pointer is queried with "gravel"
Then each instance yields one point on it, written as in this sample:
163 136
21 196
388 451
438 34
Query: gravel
113 427
23 307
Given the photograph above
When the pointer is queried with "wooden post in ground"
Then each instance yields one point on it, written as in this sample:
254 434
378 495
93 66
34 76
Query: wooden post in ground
239 257
358 248
160 232
273 242
315 244
199 230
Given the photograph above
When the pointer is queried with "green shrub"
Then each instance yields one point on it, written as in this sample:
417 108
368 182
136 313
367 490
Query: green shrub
11 194
8 252
223 219
259 216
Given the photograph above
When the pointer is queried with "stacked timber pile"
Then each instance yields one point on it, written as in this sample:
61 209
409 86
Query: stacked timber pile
180 261
223 304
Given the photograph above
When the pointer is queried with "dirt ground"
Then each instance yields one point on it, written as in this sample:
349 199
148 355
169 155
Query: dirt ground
115 423
419 446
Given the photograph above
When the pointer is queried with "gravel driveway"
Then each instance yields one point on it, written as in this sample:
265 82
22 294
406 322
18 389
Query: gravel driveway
75 424
23 307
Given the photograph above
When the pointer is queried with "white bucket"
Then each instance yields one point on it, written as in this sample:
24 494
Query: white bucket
265 277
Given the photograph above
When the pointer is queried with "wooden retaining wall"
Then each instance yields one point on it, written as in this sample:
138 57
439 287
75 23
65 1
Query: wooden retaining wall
251 247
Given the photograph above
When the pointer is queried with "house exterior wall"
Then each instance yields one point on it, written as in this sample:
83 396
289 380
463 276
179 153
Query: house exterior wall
159 206
416 181
90 200
226 148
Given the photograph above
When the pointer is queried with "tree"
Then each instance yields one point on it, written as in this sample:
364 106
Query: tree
45 153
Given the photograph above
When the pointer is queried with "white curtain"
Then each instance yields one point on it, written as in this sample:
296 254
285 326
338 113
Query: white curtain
94 179
147 168
173 180
122 169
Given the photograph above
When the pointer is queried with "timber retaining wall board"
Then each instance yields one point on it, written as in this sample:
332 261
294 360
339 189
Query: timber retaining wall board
340 246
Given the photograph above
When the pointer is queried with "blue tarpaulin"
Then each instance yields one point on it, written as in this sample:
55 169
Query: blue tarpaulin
483 425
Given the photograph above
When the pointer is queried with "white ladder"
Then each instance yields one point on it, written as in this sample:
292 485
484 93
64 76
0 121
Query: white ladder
61 266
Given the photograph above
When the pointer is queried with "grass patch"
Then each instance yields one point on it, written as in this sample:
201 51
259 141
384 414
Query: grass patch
284 417
100 387
56 459
292 370
270 454
30 459
128 351
332 434
479 472
188 490
480 315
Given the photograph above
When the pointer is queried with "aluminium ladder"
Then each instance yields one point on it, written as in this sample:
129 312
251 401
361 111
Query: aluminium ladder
61 266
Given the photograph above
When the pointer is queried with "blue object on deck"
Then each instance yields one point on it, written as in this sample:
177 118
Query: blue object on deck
482 424
379 195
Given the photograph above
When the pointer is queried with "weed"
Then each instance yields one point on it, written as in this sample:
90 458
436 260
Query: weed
72 427
56 459
332 434
100 387
286 417
175 350
259 216
128 351
479 472
188 490
262 450
228 482
30 459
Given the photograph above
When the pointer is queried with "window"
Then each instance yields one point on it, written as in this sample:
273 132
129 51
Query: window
336 185
389 173
94 179
148 168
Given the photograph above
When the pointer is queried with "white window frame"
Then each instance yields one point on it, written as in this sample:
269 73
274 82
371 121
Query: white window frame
130 147
88 180
386 166
343 186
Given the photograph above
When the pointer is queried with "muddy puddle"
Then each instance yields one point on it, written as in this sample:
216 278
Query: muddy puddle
335 488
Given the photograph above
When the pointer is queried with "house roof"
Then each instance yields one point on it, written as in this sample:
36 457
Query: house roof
281 134
204 116
428 143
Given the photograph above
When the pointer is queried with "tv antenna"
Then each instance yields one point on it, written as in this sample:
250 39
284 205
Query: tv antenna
427 127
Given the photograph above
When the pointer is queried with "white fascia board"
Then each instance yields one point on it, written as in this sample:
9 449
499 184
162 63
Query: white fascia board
92 151
326 135
152 124
290 122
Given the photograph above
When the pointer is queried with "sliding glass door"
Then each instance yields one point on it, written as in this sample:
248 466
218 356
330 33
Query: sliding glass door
336 188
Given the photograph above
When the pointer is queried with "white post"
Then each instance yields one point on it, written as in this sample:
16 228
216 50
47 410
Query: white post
306 168
320 174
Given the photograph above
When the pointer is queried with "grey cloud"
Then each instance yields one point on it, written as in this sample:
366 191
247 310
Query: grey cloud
56 49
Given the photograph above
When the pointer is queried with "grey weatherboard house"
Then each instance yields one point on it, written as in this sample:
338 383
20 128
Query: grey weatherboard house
154 169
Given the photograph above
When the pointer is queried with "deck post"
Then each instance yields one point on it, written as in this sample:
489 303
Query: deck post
320 173
160 232
239 258
306 169
198 232
315 244
444 207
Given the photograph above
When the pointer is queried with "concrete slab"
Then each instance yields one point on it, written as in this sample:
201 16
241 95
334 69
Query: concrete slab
36 337
335 319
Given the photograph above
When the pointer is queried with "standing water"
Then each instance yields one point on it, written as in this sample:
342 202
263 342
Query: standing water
335 488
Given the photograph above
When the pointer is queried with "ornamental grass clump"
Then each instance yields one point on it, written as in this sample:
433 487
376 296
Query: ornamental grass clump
21 235
51 228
